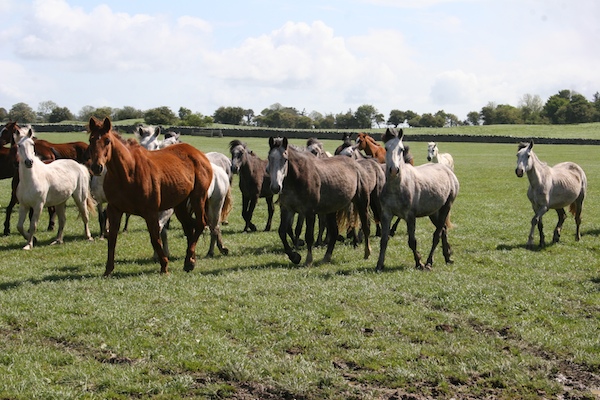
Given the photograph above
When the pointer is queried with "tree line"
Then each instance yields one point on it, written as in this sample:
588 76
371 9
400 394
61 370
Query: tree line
565 107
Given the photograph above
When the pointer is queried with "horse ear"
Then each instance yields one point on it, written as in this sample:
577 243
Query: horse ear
157 131
271 142
530 145
285 143
107 125
401 133
30 133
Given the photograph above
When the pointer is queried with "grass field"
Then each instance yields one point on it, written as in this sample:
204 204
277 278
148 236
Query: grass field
501 322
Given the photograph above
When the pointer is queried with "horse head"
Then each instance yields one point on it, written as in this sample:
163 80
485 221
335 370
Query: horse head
239 154
394 156
100 143
432 151
25 148
523 158
148 137
315 147
277 166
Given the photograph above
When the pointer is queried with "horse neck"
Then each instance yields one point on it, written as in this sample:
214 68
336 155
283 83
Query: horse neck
538 169
122 162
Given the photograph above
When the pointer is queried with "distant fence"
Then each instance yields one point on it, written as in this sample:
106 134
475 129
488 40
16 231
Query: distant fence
411 134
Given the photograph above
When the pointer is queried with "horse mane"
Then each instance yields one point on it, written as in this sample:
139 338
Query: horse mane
235 143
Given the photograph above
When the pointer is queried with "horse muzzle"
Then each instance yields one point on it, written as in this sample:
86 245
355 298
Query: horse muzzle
519 172
275 188
97 169
393 171
29 163
428 158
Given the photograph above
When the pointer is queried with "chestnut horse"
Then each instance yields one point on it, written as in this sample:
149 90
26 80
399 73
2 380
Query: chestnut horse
367 144
142 182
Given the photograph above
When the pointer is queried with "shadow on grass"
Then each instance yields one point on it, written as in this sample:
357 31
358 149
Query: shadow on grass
523 246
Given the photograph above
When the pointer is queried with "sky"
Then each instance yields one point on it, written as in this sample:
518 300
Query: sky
328 56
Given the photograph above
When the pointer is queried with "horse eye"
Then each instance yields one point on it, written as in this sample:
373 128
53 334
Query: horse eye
106 141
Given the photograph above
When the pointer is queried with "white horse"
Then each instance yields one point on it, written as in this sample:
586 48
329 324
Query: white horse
428 190
434 155
555 187
42 185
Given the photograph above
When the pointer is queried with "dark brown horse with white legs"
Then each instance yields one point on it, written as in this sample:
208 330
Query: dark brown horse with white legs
254 182
309 186
411 192
142 182
556 187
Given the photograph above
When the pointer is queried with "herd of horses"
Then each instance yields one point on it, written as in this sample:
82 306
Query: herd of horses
361 182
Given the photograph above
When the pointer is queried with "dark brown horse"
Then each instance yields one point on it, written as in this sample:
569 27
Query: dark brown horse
142 182
254 182
346 142
309 186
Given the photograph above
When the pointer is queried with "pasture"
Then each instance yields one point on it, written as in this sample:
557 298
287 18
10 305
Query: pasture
501 322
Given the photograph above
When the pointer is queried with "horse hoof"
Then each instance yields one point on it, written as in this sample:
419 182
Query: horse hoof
27 247
225 251
427 267
56 242
189 266
295 258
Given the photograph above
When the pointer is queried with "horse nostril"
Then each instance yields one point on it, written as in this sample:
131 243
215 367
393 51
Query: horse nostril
29 163
97 169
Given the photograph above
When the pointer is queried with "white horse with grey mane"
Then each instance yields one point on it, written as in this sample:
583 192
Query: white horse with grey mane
556 187
434 155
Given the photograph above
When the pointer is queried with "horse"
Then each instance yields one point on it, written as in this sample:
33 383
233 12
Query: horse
254 182
316 147
52 184
142 182
346 142
556 187
10 169
308 186
224 162
428 190
434 155
367 144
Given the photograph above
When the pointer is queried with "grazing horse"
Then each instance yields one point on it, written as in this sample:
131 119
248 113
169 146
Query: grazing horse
142 182
308 186
434 155
367 144
254 182
555 187
428 190
52 184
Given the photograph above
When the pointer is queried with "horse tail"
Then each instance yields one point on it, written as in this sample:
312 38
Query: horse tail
448 223
227 205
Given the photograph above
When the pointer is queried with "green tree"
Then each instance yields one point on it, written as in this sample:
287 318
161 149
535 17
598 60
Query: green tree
60 114
85 113
197 119
229 115
22 112
325 122
3 114
531 109
556 107
473 118
396 118
45 108
507 114
596 103
346 120
127 112
184 113
432 121
365 116
103 112
304 122
488 113
579 110
160 116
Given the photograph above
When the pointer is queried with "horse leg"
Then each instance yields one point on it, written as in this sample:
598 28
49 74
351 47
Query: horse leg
332 232
411 223
51 217
562 216
164 218
362 207
126 222
298 231
394 227
309 237
322 224
81 204
386 219
285 222
537 220
61 212
114 224
9 209
23 212
270 211
578 209
101 219
153 226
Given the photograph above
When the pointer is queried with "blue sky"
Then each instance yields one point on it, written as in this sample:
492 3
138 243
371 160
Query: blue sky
328 56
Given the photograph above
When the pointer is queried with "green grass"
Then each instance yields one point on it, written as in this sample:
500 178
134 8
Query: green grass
501 322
